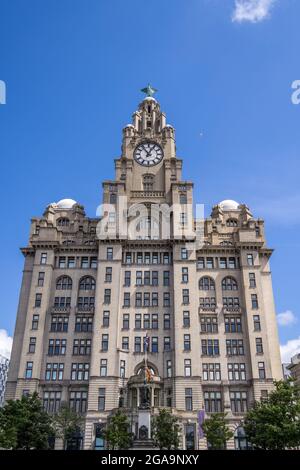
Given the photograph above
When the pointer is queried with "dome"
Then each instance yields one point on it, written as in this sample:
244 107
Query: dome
149 98
65 204
229 205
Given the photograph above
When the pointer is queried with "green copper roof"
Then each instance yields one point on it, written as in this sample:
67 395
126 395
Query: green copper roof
149 90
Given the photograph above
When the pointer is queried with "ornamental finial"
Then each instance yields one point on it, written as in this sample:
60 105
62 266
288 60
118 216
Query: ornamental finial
149 90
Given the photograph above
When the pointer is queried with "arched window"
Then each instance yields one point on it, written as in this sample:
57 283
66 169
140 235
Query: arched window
63 222
64 283
229 283
87 283
240 439
148 182
206 283
232 223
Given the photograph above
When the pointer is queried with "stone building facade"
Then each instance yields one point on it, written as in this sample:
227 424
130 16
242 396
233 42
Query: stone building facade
101 305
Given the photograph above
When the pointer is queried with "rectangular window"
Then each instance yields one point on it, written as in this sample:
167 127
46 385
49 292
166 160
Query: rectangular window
184 253
38 300
81 347
256 322
154 321
250 259
186 319
51 401
155 258
233 324
107 296
71 262
62 262
93 262
201 263
187 367
232 263
43 259
78 401
137 344
167 301
154 344
235 347
125 325
104 343
139 278
108 274
167 321
83 324
85 262
154 278
41 279
138 299
209 324
32 344
259 346
210 263
166 258
236 372
185 296
103 367
185 275
261 370
35 322
254 301
187 342
139 258
147 258
210 347
238 402
211 372
189 399
127 279
212 402
105 319
125 342
147 324
166 280
146 299
147 279
223 263
109 253
154 299
252 280
167 343
122 369
138 321
128 258
80 371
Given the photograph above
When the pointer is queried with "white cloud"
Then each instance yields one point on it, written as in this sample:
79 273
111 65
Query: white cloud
252 10
5 343
286 318
289 349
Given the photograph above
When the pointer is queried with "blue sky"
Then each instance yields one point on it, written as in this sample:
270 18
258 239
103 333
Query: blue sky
224 69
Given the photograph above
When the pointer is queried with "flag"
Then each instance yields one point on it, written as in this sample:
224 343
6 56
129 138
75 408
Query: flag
201 416
146 342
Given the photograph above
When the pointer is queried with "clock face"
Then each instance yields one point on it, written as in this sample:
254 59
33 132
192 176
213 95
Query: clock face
148 154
